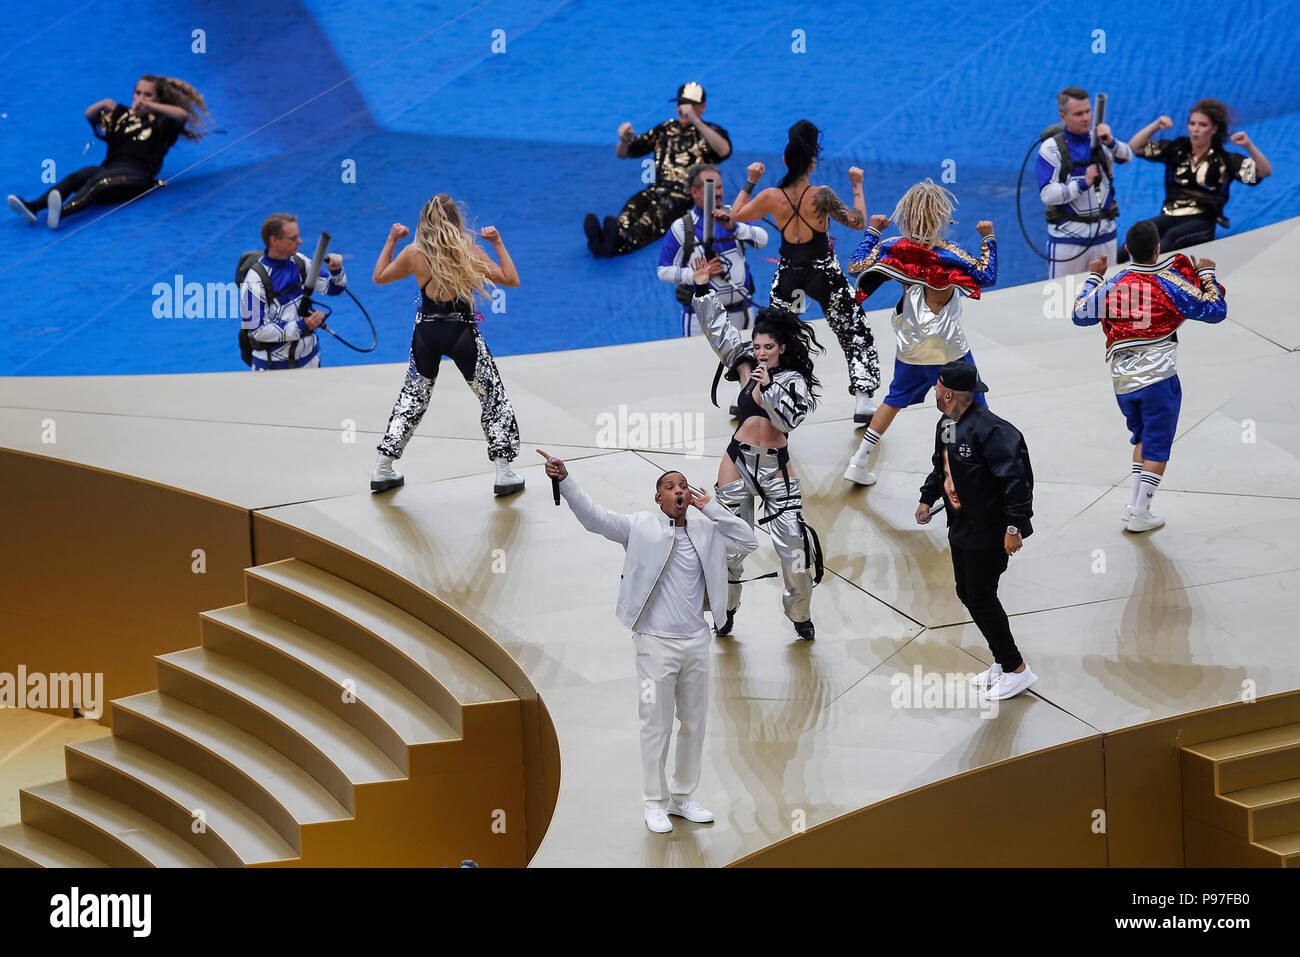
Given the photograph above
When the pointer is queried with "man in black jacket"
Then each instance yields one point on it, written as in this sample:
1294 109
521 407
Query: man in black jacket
982 471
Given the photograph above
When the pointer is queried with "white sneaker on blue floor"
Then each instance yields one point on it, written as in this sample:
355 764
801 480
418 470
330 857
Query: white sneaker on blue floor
657 819
1009 684
986 678
19 207
53 209
692 810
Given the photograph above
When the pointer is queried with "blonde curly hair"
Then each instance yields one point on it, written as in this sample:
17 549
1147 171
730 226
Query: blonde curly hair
924 212
449 249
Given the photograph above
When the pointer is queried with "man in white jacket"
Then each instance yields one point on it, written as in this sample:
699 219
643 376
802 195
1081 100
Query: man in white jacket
674 571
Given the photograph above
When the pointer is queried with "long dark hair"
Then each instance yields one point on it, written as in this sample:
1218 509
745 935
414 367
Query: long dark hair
1220 114
176 92
804 146
798 338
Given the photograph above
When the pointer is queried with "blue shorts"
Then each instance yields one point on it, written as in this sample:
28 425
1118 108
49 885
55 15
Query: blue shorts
912 382
1152 416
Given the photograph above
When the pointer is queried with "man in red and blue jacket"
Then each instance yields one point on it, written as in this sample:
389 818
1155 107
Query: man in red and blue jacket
1140 311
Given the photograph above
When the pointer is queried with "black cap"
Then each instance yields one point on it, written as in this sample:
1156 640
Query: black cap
961 377
690 92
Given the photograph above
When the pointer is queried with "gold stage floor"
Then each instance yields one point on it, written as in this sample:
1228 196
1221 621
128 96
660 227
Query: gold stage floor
1122 629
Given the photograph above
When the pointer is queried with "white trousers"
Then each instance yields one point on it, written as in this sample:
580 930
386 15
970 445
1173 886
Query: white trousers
1075 257
672 678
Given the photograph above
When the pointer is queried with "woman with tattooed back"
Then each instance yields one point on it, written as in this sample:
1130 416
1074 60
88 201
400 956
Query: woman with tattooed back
808 268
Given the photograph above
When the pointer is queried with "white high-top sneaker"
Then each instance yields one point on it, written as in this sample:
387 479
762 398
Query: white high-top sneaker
53 209
864 408
507 482
19 207
385 476
1143 520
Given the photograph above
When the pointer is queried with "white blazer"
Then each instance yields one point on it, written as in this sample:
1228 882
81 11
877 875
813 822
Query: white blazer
648 538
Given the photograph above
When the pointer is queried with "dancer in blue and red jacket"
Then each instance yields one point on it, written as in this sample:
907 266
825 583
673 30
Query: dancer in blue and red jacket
936 275
1140 311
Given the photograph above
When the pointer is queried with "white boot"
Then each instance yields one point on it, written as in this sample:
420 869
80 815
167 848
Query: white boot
507 482
385 476
864 409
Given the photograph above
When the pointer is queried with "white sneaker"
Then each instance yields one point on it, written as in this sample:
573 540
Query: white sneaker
507 482
859 474
1010 683
657 820
53 209
691 810
1143 520
986 678
19 207
385 476
863 409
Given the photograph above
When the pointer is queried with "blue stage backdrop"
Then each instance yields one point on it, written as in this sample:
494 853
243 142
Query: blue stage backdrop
352 114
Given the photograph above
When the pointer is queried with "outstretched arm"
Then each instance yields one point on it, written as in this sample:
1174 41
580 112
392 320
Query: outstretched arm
735 354
747 207
612 525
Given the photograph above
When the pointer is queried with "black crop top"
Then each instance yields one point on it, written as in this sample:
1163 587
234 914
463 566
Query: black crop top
746 407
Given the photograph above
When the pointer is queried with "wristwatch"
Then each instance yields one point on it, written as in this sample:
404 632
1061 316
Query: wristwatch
1012 530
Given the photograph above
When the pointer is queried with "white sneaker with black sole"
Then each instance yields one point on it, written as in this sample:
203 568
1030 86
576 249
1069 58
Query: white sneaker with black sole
53 209
385 476
657 820
863 409
19 207
1009 684
691 810
1143 520
507 482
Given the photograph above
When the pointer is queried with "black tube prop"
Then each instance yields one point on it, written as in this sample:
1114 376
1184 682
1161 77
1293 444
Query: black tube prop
710 203
1098 118
313 273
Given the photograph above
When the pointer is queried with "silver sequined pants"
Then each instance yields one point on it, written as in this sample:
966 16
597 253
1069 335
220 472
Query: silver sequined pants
463 344
787 528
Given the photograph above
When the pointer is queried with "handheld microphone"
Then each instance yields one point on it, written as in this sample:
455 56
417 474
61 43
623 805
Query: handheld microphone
313 273
555 487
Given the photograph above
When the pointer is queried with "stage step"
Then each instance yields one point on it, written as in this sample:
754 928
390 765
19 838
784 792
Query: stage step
118 835
1241 799
215 823
312 705
22 845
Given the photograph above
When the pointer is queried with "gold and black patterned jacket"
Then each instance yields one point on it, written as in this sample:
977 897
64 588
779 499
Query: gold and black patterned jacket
677 147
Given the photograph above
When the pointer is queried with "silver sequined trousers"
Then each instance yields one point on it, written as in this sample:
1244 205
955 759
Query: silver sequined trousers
497 418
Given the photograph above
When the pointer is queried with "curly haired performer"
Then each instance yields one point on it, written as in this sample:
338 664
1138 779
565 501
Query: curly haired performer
449 268
777 391
935 274
808 264
138 138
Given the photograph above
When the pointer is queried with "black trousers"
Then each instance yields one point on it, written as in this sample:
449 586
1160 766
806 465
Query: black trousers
96 184
977 572
647 216
1179 231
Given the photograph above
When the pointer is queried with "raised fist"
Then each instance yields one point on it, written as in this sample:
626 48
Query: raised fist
879 222
398 231
1164 123
489 233
984 227
756 171
855 175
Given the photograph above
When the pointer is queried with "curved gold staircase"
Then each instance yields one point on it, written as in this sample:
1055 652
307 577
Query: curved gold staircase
317 724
